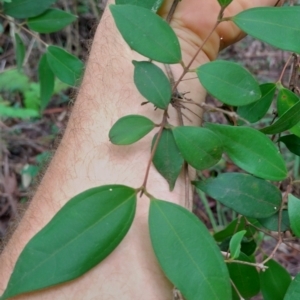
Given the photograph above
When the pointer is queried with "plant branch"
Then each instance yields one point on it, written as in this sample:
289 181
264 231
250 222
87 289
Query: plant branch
284 68
257 265
237 291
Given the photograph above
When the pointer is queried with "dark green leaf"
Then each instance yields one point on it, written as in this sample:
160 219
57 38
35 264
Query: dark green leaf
85 231
248 247
274 281
277 26
235 244
67 67
224 3
293 292
46 78
245 277
271 223
253 112
154 5
294 214
147 33
20 51
50 21
292 142
252 151
248 195
187 253
229 82
167 159
152 83
26 8
130 129
200 147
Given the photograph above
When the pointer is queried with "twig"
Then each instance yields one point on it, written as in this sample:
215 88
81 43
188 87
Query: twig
237 291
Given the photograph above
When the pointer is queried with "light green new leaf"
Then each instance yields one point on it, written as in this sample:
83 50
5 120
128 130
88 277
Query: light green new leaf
271 223
20 51
235 244
46 78
245 277
67 67
253 112
294 214
50 21
252 151
84 232
292 142
187 252
129 129
154 5
147 33
14 112
278 26
293 292
246 194
167 159
152 83
200 147
229 82
26 8
274 281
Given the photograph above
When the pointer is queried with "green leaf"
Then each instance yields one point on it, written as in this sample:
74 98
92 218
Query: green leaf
292 142
154 5
252 151
247 195
152 83
187 253
274 281
285 100
84 232
26 8
293 292
20 51
224 3
269 25
253 112
229 82
294 214
130 129
167 159
147 33
46 78
67 67
235 244
14 112
245 277
50 21
271 223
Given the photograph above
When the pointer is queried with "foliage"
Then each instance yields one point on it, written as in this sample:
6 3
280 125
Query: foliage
201 266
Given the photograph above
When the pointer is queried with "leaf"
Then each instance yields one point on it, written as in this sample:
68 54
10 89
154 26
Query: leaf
200 147
247 195
277 26
26 8
187 253
152 83
271 223
245 277
84 232
253 112
130 129
224 3
67 67
274 281
285 100
252 151
167 159
51 20
147 33
154 5
293 292
14 112
229 82
292 142
20 51
235 244
294 214
46 78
